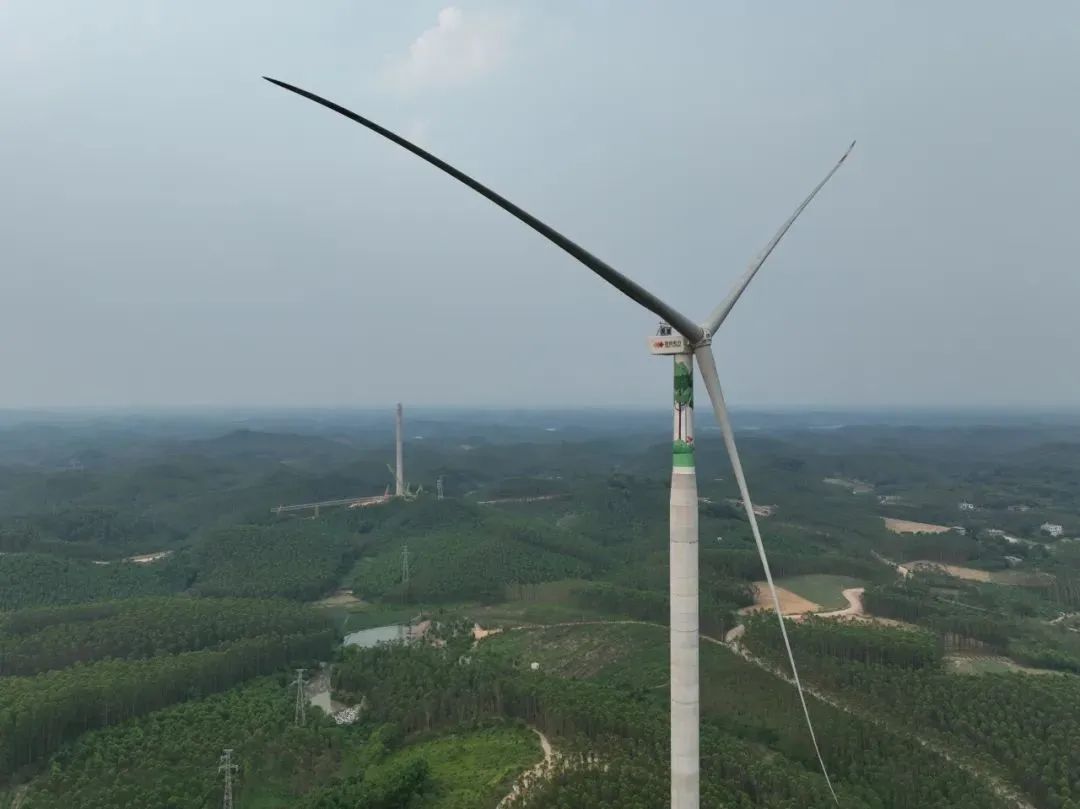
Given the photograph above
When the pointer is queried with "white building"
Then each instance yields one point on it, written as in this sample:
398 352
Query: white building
1052 529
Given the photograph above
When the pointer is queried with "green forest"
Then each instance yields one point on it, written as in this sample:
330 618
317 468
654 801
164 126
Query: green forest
298 559
1026 724
155 606
32 580
39 640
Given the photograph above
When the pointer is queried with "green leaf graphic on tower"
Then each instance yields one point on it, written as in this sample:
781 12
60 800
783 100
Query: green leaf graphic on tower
684 385
683 445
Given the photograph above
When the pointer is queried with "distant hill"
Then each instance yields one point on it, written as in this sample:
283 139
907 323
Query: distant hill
255 444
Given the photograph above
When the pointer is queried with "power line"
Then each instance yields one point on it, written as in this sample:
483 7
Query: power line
299 716
226 766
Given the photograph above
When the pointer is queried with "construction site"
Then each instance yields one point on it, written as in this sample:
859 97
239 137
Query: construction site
401 488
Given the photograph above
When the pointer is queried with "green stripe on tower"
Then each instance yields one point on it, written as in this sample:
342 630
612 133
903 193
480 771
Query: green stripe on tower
682 459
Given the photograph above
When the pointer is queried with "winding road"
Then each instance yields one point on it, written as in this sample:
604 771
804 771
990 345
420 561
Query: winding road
854 607
537 772
999 786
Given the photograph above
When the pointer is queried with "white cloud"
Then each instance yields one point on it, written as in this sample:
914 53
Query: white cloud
458 49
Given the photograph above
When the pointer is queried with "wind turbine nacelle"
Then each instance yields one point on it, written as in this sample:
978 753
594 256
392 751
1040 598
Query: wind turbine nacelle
666 344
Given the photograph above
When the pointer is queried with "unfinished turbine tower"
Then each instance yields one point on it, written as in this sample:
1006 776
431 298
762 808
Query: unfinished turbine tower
399 469
685 341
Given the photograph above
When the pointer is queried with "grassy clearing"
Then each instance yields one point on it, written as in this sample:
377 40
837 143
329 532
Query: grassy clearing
474 769
1012 578
990 664
545 603
1021 578
590 651
957 571
821 588
469 769
517 613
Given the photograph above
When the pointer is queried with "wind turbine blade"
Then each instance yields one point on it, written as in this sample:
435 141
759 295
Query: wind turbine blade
707 364
721 312
682 324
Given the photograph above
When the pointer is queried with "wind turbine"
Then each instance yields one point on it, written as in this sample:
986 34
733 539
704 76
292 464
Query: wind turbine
684 340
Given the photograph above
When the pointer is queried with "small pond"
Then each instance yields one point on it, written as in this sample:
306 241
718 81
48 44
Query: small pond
366 638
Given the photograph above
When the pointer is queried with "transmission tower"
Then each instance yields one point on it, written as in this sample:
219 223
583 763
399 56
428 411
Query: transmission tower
299 715
404 564
438 488
226 766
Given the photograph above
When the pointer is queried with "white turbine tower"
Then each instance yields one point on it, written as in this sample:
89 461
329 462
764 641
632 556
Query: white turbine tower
685 341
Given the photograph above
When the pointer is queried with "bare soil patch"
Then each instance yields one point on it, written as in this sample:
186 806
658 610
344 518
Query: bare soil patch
856 486
911 527
790 603
479 633
148 558
342 598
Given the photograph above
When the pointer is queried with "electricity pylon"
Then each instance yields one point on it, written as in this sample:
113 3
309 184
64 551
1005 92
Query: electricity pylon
299 715
226 766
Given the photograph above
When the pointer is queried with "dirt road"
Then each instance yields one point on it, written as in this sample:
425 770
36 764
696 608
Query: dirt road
20 796
534 499
999 786
854 607
900 569
538 772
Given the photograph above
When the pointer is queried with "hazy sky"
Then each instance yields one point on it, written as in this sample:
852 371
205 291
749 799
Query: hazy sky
174 230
